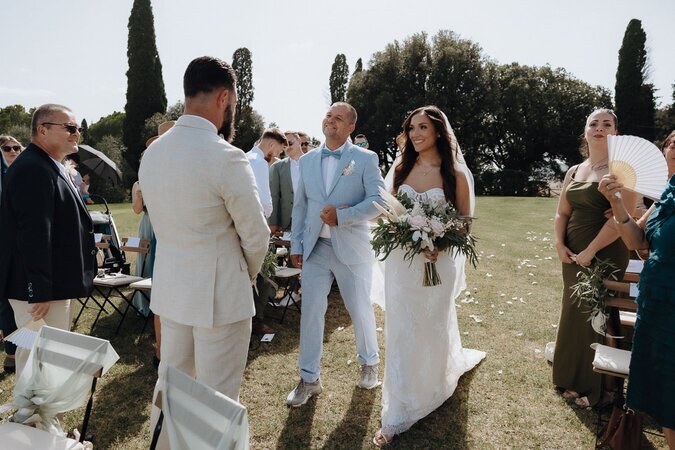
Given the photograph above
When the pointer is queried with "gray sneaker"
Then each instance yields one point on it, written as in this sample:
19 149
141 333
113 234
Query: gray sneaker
303 392
368 379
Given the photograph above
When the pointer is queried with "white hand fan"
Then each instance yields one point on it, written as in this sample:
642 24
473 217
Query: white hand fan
637 164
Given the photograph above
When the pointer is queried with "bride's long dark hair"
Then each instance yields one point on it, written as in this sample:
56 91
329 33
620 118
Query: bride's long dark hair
445 143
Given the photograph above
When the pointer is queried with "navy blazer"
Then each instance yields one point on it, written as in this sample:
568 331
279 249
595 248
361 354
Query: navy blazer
46 233
3 169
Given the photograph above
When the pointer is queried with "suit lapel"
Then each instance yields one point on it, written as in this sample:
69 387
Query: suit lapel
344 160
78 199
47 160
286 174
315 168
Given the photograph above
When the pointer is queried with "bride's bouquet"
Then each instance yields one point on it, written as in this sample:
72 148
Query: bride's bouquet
415 226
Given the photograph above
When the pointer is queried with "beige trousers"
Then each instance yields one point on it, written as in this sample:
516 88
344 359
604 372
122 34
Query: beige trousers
58 316
215 357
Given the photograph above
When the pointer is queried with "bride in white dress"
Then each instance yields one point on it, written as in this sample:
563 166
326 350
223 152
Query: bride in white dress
424 358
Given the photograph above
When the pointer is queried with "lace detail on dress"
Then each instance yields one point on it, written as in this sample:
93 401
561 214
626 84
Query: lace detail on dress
430 194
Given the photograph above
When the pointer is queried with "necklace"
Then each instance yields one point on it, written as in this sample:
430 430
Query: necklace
428 170
603 164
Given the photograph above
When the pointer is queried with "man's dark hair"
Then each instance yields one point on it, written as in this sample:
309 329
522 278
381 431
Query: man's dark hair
206 74
44 114
360 136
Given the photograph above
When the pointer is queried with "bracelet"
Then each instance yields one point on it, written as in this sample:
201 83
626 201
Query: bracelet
623 222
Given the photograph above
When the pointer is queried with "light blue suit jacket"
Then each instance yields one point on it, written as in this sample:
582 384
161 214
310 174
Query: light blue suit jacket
356 184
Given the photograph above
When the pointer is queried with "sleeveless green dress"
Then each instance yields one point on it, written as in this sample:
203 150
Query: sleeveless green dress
573 357
651 382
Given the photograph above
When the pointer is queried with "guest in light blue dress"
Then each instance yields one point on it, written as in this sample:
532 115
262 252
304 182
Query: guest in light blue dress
145 263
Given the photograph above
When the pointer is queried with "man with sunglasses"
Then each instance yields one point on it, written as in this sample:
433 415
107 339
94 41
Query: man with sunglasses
361 141
283 178
305 142
46 233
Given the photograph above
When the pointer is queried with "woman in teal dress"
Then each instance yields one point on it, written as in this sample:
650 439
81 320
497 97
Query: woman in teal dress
651 379
582 234
145 263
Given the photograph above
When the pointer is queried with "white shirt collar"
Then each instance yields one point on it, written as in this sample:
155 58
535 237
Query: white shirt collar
258 151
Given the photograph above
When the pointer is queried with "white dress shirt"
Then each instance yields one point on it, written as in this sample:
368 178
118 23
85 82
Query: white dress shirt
261 171
66 175
328 168
295 173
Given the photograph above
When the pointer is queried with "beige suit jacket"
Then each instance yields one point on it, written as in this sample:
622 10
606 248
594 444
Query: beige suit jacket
211 233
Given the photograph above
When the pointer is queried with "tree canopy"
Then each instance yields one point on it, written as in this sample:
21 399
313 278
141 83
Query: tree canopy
516 124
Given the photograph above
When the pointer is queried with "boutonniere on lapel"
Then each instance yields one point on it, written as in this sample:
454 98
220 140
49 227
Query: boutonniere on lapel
349 168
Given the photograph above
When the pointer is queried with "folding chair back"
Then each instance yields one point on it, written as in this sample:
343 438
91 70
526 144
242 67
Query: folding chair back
103 250
621 306
60 374
198 417
135 245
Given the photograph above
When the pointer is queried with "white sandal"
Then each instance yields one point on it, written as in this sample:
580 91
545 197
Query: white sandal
380 439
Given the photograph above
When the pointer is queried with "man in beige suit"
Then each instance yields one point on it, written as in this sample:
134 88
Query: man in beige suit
211 233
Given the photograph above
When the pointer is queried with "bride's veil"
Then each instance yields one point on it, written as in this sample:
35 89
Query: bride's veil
377 289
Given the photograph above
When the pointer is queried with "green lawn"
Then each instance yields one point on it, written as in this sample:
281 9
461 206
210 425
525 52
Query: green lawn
506 402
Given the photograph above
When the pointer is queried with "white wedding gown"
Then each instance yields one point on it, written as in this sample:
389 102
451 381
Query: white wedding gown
424 358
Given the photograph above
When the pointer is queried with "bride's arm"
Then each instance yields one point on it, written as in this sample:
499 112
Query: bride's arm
463 197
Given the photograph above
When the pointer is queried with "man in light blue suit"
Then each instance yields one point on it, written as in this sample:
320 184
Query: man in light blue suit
330 240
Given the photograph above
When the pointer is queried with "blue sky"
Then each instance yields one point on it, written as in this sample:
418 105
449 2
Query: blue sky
74 52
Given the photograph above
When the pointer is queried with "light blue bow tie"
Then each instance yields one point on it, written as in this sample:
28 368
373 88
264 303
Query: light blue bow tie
325 153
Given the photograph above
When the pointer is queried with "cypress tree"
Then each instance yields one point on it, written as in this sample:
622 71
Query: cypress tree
339 76
85 132
249 124
145 86
633 95
242 63
358 68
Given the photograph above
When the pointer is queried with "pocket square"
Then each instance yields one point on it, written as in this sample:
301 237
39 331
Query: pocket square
349 168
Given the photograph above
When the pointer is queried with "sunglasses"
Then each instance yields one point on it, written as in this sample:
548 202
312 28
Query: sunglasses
304 144
9 148
362 144
72 129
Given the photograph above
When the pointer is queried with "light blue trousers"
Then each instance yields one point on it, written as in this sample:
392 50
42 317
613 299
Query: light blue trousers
318 272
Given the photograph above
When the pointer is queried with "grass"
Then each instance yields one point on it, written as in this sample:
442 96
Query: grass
508 401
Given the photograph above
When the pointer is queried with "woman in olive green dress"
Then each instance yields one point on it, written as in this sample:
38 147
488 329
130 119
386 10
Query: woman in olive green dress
583 232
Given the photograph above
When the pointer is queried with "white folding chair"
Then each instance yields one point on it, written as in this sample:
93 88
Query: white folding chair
289 277
20 437
611 361
60 374
196 416
144 287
